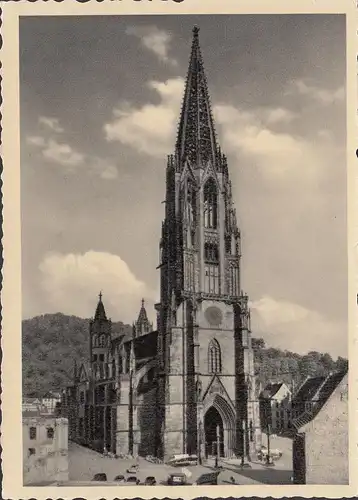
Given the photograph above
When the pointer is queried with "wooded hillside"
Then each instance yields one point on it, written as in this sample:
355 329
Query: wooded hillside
51 343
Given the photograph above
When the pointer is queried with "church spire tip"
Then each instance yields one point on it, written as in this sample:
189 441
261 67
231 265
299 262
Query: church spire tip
196 139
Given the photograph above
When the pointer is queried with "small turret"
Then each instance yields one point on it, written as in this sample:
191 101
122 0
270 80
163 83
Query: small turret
142 325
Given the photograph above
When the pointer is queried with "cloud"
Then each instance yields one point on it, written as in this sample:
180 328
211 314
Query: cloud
149 129
243 131
156 40
71 283
62 154
74 161
51 123
36 140
279 155
321 95
248 133
279 115
282 323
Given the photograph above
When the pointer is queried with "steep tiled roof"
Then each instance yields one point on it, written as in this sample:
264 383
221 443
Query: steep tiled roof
329 386
320 398
308 389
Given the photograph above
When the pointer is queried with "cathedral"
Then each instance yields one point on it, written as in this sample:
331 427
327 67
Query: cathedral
187 385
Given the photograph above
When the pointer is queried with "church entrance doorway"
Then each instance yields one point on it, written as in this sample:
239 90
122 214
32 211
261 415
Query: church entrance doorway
212 422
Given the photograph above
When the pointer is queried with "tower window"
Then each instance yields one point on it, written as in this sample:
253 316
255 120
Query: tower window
214 357
210 205
234 281
50 433
32 432
211 253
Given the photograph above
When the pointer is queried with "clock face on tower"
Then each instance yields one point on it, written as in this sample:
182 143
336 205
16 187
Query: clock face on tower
214 316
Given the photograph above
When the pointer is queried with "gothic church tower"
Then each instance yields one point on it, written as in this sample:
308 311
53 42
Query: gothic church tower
206 375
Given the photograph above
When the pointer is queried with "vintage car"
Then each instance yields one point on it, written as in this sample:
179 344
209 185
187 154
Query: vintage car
119 479
133 469
177 479
182 460
101 476
210 478
150 481
132 480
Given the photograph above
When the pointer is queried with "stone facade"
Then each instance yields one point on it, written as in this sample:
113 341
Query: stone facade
316 459
45 449
153 392
275 408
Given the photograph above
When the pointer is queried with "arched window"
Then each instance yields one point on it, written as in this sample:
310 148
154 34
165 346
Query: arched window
214 357
210 205
95 340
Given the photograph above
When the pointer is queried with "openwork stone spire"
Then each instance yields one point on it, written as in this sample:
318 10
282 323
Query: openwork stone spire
100 313
196 140
142 325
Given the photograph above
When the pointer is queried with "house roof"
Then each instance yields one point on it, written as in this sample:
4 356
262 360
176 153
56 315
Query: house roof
308 389
145 346
270 390
321 396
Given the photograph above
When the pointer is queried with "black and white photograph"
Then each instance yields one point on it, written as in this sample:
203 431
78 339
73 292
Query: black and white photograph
184 254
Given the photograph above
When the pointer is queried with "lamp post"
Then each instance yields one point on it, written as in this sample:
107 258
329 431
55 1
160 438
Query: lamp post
217 447
200 430
269 462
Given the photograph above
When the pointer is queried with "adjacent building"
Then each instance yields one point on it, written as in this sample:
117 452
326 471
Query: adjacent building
320 446
165 391
275 408
45 449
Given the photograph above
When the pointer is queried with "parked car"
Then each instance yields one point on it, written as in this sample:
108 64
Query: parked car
133 469
150 481
274 453
101 476
182 460
177 479
133 480
210 478
120 478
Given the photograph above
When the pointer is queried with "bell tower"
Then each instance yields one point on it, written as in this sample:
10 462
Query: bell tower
100 339
205 353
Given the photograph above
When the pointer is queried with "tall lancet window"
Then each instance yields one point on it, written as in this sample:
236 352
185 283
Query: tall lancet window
214 356
211 279
190 212
210 205
234 280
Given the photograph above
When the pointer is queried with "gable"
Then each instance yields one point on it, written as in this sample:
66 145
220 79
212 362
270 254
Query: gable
282 393
83 377
216 387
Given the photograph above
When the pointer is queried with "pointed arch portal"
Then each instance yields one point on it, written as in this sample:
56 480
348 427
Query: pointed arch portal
219 413
212 423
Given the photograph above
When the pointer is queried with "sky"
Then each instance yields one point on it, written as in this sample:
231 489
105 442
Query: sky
100 104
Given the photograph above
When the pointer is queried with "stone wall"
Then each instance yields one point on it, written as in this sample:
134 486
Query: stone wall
146 415
45 459
327 452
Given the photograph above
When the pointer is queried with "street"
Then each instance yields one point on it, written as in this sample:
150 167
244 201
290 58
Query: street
85 463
